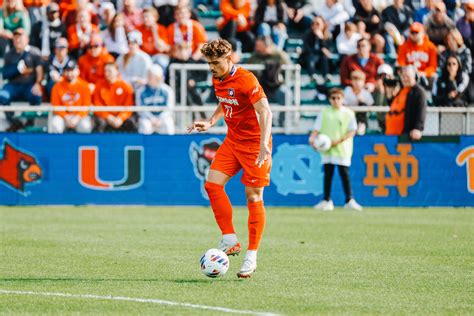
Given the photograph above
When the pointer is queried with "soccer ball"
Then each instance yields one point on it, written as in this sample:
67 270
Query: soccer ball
214 263
322 143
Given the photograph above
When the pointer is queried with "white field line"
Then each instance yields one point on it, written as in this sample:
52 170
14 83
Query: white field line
138 300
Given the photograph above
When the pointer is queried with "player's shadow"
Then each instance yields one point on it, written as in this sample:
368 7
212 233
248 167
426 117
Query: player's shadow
179 281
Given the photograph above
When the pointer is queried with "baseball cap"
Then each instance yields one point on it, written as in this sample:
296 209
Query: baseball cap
135 37
417 27
385 69
71 64
52 7
61 43
156 70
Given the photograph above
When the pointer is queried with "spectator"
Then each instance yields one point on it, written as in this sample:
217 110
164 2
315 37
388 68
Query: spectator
299 14
79 34
133 15
420 52
357 95
451 86
166 9
12 16
70 10
438 25
422 14
115 38
466 28
335 15
186 36
385 78
235 23
270 20
106 13
364 60
23 69
367 14
35 9
398 14
339 124
133 65
91 65
455 46
57 63
71 91
346 42
155 38
47 31
156 93
315 54
407 106
271 78
113 91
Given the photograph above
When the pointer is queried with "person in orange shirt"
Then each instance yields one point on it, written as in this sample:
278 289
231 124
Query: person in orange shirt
155 38
419 51
71 90
109 92
186 36
80 33
92 63
235 23
245 109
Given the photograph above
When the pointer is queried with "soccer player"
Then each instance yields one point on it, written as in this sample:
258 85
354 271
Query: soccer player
246 111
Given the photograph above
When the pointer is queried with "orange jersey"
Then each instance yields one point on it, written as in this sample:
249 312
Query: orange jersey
73 37
236 94
424 57
193 33
148 45
67 93
117 93
229 12
92 68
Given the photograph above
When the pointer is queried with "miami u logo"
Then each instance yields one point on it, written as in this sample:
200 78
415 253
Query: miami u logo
89 169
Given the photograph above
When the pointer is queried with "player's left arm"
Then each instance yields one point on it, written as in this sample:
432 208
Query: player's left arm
265 121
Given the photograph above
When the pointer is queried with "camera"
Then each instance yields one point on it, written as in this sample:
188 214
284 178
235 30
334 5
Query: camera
391 82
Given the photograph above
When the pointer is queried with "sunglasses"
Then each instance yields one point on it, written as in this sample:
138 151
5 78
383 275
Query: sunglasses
335 98
95 46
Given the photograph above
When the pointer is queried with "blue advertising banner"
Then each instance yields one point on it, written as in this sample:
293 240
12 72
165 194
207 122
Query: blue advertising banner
170 170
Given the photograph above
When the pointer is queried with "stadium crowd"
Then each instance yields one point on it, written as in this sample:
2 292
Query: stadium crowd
83 52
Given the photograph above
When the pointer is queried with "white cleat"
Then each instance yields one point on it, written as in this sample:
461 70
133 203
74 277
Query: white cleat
353 205
325 206
247 269
230 250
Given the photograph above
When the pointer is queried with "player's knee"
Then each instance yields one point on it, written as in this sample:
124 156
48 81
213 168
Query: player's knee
212 188
254 197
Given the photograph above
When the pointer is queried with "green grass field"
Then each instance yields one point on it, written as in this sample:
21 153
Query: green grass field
380 261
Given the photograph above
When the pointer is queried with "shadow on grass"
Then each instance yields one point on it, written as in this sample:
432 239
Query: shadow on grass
179 281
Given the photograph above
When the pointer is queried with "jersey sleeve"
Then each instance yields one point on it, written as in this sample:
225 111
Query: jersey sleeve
253 89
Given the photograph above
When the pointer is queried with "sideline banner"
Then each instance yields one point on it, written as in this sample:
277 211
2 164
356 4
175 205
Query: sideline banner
170 170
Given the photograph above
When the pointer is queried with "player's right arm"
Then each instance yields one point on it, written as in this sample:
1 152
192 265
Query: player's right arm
202 126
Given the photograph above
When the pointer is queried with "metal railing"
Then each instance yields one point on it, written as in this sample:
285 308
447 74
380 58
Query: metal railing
439 120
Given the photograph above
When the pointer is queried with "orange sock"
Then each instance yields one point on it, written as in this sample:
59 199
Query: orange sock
220 206
256 223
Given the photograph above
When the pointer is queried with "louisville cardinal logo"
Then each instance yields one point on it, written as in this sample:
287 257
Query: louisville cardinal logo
18 168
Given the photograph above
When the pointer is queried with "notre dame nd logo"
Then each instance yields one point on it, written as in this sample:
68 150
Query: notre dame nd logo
384 170
466 156
89 169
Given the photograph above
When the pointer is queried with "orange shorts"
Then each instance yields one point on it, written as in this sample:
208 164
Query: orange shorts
231 157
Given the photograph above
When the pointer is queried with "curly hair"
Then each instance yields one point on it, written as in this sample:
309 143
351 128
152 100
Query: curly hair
216 48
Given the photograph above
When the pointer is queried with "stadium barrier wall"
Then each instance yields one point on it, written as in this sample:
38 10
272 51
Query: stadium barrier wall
169 170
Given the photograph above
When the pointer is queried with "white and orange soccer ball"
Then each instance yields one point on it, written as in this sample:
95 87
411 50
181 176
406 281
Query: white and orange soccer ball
214 263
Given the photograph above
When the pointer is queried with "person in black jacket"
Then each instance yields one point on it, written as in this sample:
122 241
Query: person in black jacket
407 106
270 20
450 88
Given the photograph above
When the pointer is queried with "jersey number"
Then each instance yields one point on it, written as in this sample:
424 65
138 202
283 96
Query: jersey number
228 111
